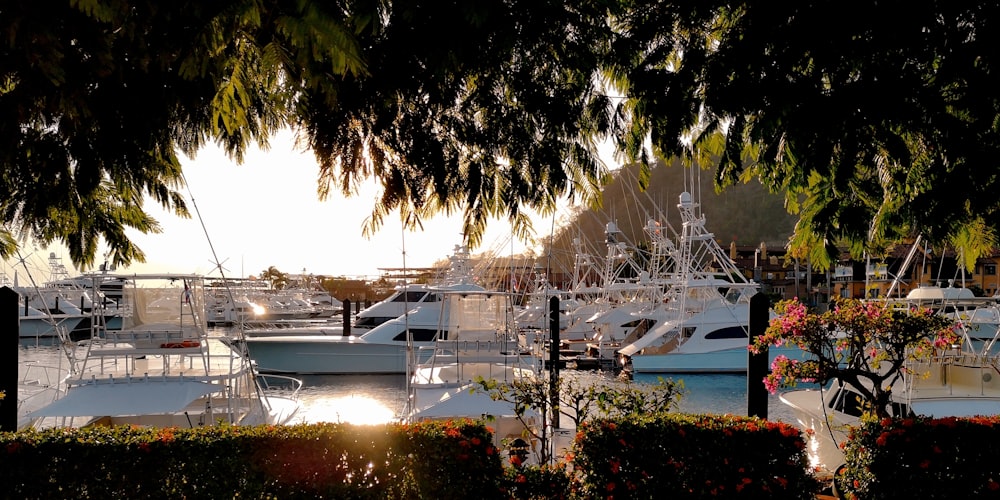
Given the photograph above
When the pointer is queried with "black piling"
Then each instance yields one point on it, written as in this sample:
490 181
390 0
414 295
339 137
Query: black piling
757 364
554 359
8 380
347 317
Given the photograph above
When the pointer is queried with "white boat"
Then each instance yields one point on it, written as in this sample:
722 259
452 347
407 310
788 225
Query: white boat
703 322
959 382
382 349
955 384
36 327
713 340
163 369
979 317
481 342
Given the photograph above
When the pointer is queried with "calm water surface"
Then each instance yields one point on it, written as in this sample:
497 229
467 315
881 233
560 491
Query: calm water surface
378 398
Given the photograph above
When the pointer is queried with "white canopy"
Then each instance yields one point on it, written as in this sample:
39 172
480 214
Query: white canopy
144 397
466 404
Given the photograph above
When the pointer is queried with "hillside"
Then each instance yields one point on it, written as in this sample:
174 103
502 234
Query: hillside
745 213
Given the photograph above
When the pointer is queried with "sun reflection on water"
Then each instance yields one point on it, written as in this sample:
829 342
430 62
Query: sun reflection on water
354 409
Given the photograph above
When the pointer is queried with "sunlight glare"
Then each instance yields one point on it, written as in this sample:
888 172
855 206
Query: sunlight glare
358 410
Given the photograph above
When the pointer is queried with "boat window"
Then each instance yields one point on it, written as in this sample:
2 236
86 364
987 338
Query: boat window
688 331
729 332
419 335
642 326
371 321
410 296
848 402
432 297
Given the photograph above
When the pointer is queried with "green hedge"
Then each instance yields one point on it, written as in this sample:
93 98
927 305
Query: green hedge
922 458
692 456
662 456
442 460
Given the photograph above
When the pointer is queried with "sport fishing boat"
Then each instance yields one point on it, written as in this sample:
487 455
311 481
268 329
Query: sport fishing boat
163 369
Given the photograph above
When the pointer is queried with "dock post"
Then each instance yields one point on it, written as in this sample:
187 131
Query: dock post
757 363
554 359
346 311
9 323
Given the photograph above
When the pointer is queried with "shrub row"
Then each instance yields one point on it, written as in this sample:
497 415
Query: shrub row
663 455
447 460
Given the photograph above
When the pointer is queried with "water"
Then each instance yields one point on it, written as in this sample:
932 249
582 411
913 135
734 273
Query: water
372 399
378 398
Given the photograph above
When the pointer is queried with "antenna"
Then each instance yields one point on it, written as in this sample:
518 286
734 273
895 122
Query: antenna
411 361
240 331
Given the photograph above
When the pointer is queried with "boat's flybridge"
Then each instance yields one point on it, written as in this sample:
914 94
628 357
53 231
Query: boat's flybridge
161 368
477 338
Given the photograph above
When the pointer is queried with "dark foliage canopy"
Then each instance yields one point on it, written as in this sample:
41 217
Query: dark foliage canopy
877 120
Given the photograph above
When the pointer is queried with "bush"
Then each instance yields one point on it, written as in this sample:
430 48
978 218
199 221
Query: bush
692 456
922 458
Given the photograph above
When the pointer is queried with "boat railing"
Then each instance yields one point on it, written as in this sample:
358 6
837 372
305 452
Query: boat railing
156 336
284 384
479 357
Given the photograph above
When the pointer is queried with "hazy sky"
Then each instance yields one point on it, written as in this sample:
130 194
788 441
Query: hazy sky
265 212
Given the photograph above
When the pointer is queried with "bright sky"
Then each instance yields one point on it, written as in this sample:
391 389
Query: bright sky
265 212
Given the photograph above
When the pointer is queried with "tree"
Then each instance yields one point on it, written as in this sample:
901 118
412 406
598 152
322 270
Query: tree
276 278
868 120
500 115
96 97
864 344
875 125
579 403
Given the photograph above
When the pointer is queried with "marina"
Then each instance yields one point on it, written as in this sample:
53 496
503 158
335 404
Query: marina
381 398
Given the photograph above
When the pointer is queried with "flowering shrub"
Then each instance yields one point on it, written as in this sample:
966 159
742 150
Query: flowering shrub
922 458
864 344
680 456
529 482
452 459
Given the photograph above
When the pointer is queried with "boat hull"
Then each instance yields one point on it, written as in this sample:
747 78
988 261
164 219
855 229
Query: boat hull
721 361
